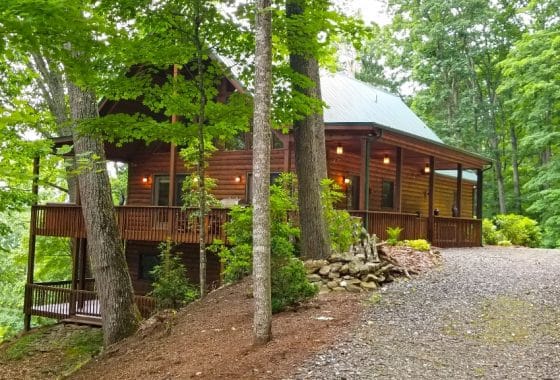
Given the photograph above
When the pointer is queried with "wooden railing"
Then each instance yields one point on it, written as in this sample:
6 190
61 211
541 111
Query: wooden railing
59 301
457 232
147 223
414 227
448 232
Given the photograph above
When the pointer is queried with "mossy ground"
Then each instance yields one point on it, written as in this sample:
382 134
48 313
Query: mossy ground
50 352
507 320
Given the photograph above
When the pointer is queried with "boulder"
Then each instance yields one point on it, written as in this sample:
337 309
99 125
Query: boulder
368 285
343 283
335 267
344 269
313 277
332 284
339 289
340 257
312 266
354 281
325 269
332 275
353 288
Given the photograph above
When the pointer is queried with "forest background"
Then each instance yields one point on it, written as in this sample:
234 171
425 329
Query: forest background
485 75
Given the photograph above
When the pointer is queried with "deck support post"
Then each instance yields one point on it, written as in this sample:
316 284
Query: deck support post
459 191
398 180
365 186
431 187
479 175
28 301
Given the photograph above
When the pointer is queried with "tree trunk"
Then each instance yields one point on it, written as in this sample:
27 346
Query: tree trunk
108 264
262 322
515 170
201 119
498 171
309 144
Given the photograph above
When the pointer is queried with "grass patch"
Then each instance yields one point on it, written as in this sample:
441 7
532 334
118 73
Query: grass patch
23 346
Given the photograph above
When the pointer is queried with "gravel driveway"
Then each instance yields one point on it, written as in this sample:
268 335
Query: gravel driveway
490 313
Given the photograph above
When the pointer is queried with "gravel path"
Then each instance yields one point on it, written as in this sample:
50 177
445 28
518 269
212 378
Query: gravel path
490 313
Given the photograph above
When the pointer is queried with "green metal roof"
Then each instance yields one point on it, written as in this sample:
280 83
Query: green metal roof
352 101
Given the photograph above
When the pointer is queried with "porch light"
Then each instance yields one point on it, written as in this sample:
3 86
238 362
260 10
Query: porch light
146 180
237 179
346 180
339 149
386 159
427 169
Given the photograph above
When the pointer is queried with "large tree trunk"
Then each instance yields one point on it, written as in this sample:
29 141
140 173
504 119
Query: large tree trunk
498 171
515 170
201 119
262 322
309 144
112 281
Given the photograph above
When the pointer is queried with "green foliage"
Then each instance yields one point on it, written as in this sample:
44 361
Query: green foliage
504 243
393 235
340 223
171 288
289 283
418 245
519 229
490 234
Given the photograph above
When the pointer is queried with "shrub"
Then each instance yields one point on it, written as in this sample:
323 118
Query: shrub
490 234
289 282
393 234
340 223
171 288
519 229
418 245
504 243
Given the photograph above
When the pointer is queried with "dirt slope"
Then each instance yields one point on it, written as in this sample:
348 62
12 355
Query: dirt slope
211 339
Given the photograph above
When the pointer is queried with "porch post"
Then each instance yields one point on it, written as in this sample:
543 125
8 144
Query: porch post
75 272
172 171
431 187
459 188
28 301
398 180
479 176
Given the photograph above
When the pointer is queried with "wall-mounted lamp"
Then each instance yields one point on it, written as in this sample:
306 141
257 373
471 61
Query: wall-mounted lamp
195 179
339 149
474 187
386 159
237 179
427 169
346 180
146 180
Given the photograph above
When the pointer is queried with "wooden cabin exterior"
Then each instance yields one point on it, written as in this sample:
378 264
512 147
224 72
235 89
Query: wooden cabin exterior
391 178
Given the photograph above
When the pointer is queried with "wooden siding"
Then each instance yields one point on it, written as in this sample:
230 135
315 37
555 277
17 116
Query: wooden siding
414 185
224 166
190 258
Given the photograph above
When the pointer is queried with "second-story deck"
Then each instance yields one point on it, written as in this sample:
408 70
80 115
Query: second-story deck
158 223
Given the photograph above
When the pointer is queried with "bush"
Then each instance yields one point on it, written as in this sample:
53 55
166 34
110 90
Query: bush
504 243
519 230
393 235
171 288
418 245
340 223
289 282
490 233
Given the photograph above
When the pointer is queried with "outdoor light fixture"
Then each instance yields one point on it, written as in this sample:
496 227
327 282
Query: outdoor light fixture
339 149
386 159
146 180
346 180
238 179
427 169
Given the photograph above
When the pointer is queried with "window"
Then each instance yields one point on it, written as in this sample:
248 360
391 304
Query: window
161 190
147 262
387 191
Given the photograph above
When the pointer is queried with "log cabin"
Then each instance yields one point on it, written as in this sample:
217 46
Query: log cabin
393 169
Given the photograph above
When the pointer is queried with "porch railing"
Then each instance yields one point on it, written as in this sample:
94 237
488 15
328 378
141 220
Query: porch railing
147 223
448 232
59 301
414 226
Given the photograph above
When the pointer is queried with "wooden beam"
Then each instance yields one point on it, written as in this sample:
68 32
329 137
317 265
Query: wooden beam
459 189
398 180
479 181
431 187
